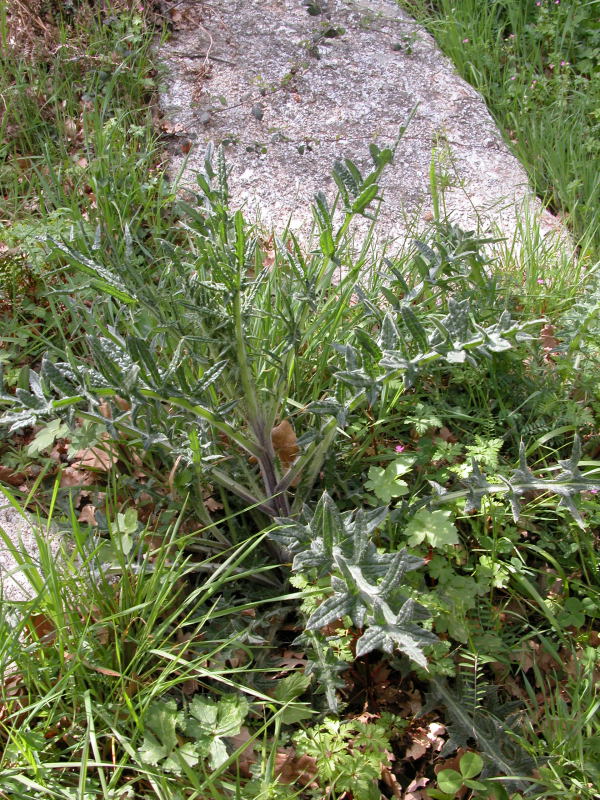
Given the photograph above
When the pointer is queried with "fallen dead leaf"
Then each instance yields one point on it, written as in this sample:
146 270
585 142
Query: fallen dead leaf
212 505
446 435
290 659
290 768
416 789
10 477
419 746
248 755
88 515
285 443
98 458
71 476
434 734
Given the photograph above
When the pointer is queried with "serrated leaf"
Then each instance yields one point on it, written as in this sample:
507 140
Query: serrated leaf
160 738
56 376
365 198
46 437
356 378
291 686
187 752
409 639
30 400
385 482
434 527
327 523
152 751
389 336
217 718
332 609
102 279
142 355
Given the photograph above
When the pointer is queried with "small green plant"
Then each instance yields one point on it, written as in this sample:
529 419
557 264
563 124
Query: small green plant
206 724
349 755
451 782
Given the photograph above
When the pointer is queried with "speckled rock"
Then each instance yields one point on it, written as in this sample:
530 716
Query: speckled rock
288 90
14 585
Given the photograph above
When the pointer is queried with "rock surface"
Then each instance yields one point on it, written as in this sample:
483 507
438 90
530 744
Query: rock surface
289 86
14 585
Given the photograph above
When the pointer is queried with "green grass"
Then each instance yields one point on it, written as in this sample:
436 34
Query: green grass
149 348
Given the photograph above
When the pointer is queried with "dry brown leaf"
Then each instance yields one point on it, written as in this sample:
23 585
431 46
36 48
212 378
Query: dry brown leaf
416 789
10 477
70 128
419 746
291 659
391 781
434 734
548 339
248 755
290 768
424 739
212 505
43 626
285 443
446 434
88 515
101 459
71 476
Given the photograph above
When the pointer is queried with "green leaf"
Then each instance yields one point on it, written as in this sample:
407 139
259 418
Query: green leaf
470 765
386 632
334 608
46 437
152 751
449 781
385 483
327 522
327 243
160 744
435 794
127 525
127 522
365 197
210 720
288 689
433 527
291 686
102 278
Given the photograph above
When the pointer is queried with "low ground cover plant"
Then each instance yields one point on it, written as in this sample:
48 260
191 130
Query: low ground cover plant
330 526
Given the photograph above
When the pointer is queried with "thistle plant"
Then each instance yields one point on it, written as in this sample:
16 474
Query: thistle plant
365 584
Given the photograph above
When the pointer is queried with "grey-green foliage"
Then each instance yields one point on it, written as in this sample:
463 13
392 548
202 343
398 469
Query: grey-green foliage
204 349
579 330
409 343
364 582
483 720
568 483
